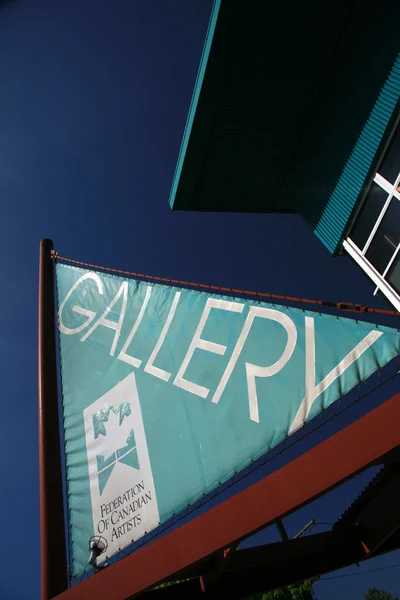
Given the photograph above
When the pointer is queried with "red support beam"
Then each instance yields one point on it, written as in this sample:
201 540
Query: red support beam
338 458
221 560
380 520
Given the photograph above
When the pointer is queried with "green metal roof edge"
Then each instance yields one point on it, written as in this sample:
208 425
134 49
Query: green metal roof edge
333 221
195 99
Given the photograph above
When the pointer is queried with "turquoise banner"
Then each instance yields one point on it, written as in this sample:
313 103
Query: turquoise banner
169 391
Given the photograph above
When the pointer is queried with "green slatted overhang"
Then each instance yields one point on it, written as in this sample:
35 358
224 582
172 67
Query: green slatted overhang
333 222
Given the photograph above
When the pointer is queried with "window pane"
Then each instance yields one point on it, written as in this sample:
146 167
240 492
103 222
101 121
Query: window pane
386 238
390 167
393 276
367 217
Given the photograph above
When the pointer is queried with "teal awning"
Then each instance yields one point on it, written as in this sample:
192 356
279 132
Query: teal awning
283 93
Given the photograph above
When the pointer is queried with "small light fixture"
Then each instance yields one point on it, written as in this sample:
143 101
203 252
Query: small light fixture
97 546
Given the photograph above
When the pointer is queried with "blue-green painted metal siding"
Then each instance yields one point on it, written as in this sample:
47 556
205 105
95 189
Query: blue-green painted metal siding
334 218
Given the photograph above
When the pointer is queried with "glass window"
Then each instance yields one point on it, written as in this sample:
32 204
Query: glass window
368 215
386 238
390 166
393 276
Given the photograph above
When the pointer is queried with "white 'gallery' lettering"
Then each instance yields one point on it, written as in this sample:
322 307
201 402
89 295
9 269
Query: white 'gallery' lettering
313 388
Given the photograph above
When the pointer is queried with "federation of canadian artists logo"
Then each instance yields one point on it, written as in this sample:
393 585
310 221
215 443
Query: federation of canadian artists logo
116 439
123 497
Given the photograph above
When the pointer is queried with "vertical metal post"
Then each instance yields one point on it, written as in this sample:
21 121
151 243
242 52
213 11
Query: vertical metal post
281 530
52 532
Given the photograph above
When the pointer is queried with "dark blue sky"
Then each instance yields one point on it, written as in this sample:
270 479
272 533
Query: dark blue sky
94 98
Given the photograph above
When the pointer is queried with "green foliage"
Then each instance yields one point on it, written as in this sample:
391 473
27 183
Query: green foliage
281 594
374 594
300 591
168 583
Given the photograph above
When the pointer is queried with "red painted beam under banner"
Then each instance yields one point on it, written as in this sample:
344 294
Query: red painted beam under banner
336 459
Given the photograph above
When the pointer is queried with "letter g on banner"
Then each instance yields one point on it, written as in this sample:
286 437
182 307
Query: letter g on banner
78 309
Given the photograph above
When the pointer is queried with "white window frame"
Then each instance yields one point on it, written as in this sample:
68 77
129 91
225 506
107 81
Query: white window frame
359 254
372 273
391 261
393 193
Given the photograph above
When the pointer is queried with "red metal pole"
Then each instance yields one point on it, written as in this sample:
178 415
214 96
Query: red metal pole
52 532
